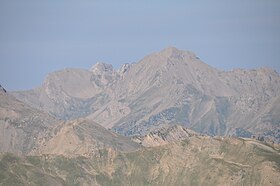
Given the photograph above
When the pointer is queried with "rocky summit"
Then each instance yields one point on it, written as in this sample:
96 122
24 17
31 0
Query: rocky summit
169 119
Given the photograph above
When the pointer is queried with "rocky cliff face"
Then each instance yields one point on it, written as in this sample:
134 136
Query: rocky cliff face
167 87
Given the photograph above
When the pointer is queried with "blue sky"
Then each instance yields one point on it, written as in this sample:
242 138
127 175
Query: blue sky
37 37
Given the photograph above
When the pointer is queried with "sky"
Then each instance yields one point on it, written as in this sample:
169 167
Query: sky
38 37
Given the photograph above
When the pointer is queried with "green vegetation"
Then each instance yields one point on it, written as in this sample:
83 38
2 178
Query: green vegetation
195 161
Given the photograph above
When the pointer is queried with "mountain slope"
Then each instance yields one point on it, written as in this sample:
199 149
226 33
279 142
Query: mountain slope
25 130
66 94
83 137
194 161
81 152
167 87
21 126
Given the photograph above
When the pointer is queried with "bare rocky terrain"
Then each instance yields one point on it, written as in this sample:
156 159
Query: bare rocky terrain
37 149
169 119
83 137
22 127
167 87
28 131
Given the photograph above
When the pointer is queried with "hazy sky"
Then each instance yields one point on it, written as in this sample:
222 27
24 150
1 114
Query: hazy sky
40 36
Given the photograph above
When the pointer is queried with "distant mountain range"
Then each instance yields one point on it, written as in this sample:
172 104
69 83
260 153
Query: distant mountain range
165 88
169 119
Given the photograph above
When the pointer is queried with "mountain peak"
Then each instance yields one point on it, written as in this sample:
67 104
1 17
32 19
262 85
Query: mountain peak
101 68
170 51
124 68
167 55
173 52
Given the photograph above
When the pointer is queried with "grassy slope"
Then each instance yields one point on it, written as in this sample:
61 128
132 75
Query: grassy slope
197 161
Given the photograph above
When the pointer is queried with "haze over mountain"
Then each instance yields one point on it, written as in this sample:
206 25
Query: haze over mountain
165 88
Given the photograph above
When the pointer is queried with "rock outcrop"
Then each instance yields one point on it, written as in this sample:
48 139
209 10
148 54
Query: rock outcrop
164 136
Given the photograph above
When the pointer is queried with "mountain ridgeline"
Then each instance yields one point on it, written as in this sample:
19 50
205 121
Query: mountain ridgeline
165 88
169 119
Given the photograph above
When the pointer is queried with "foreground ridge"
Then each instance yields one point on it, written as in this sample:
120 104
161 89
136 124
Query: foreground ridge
198 160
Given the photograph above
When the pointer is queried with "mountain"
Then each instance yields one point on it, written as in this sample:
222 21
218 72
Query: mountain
83 137
38 149
65 94
167 87
21 126
198 160
25 130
